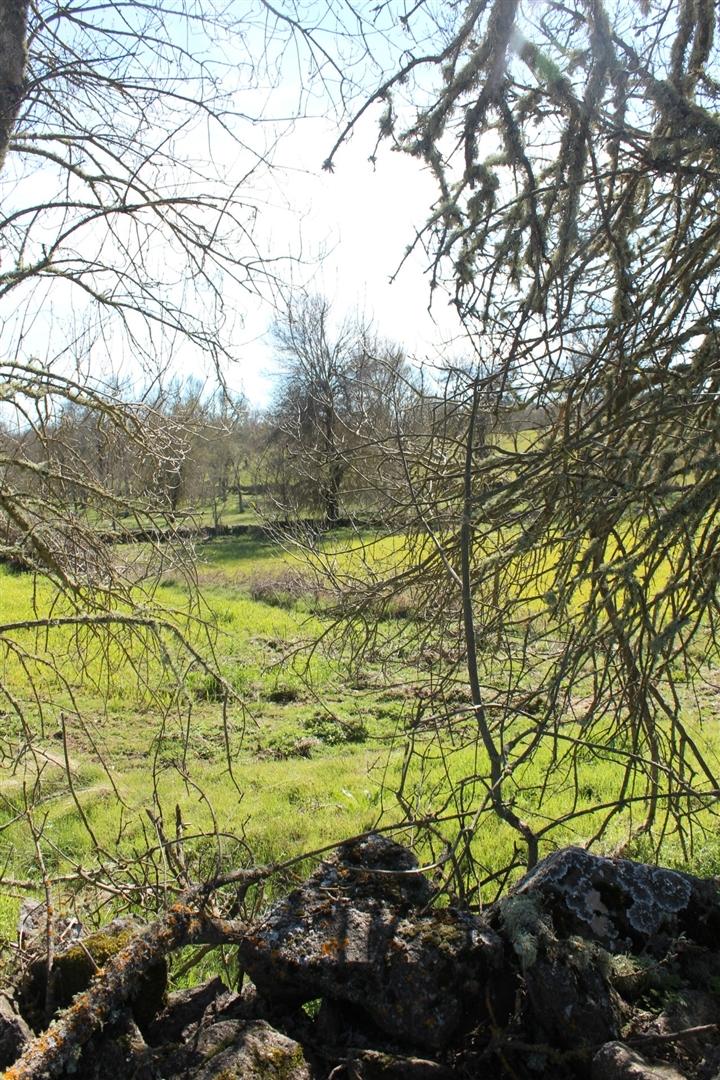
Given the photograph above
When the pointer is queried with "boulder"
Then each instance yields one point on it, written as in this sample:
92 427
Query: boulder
247 1050
354 933
14 1032
339 1027
584 952
568 1003
616 1061
622 905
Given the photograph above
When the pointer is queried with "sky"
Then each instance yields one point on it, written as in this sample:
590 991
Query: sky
350 230
341 234
345 232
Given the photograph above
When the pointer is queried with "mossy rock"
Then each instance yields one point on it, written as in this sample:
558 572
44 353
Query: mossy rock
73 970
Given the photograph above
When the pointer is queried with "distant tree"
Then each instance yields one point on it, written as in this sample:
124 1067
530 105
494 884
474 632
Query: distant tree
218 444
123 243
334 400
568 579
124 247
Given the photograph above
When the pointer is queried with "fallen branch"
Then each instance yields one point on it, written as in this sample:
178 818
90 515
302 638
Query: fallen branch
671 1036
185 923
55 1049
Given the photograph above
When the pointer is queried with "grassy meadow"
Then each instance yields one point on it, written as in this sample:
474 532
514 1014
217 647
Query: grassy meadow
101 766
294 763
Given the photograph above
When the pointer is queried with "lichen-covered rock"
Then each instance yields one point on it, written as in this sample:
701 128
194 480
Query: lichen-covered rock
624 906
353 933
375 1065
583 953
568 1003
14 1032
375 868
616 1061
33 921
247 1050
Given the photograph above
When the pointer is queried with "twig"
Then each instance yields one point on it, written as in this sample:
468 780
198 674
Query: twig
670 1036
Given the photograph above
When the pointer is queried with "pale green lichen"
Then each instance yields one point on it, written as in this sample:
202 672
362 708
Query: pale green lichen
526 928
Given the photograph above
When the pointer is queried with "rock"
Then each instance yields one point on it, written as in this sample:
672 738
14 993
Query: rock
184 1007
247 1050
375 868
622 905
543 984
616 1061
567 1000
32 925
696 965
353 933
374 1065
14 1032
569 1003
118 1052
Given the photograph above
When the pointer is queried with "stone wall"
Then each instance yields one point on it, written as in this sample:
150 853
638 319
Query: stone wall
590 967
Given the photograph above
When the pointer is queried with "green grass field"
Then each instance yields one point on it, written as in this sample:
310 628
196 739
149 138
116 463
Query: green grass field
294 763
310 752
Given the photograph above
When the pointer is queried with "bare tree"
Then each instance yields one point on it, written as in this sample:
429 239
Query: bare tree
572 571
332 409
570 574
123 245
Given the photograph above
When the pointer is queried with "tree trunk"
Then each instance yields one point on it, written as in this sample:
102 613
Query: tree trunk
13 57
332 508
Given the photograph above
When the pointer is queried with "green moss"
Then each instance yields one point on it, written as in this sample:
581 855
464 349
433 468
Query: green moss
73 971
277 1063
442 932
631 975
268 1063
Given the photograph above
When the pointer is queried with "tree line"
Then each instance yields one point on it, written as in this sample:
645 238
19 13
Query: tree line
346 412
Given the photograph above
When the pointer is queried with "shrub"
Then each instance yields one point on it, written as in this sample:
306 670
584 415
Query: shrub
334 730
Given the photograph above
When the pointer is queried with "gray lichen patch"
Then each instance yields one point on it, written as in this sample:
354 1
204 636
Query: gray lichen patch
358 932
621 904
